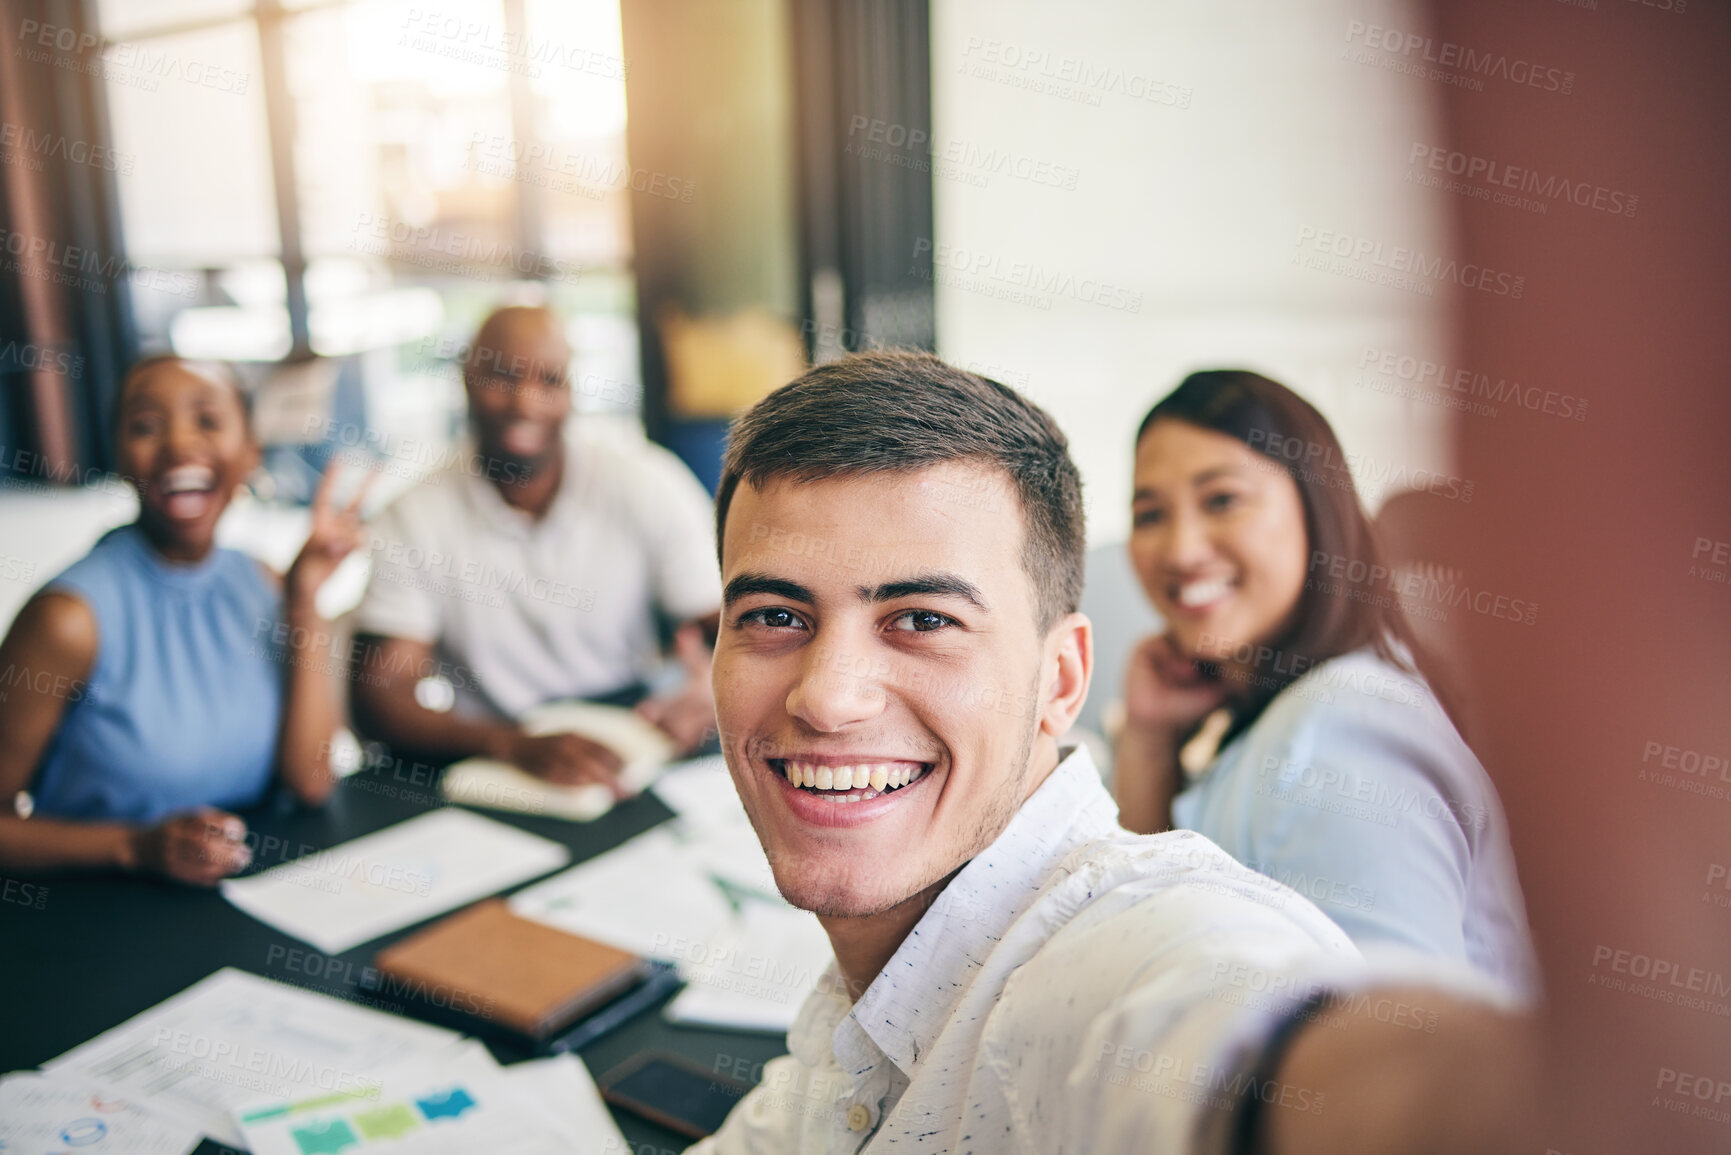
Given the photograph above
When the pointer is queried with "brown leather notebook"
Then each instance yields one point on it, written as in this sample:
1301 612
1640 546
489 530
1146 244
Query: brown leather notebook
490 964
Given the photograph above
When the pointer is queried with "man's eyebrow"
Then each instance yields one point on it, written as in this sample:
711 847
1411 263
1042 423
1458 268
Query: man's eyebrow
747 584
927 585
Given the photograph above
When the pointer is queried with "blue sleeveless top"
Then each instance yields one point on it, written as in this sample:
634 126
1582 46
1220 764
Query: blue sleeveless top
184 701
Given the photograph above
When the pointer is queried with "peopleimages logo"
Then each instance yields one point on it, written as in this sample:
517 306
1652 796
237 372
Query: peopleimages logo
1456 64
1473 386
1501 176
457 37
443 250
28 355
1066 77
978 270
552 166
53 144
1363 258
138 64
84 268
875 139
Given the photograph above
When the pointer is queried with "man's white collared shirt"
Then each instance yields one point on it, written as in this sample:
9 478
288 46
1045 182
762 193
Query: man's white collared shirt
1075 987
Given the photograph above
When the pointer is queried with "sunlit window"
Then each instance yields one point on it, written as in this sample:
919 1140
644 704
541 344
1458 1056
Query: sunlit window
443 161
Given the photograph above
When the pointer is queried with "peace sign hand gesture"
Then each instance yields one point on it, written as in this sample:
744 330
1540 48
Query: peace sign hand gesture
336 531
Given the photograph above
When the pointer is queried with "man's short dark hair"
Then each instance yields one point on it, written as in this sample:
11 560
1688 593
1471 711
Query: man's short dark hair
895 411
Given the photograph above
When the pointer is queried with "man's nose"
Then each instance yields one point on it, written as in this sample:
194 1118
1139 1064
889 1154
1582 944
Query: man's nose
836 690
520 397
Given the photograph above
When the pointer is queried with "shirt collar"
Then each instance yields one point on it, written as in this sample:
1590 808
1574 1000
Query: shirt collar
934 964
484 495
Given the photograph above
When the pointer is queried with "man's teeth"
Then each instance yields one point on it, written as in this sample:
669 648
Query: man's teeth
1201 593
875 777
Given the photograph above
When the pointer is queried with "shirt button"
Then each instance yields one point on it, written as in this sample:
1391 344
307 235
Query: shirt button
858 1118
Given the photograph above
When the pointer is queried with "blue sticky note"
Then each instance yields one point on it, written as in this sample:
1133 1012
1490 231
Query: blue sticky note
446 1105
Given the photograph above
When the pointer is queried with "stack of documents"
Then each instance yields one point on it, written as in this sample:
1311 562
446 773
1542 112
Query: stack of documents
233 1038
258 1064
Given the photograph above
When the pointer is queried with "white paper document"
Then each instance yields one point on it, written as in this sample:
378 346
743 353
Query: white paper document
562 1089
756 976
701 791
697 892
639 897
49 1114
233 1037
462 1104
356 891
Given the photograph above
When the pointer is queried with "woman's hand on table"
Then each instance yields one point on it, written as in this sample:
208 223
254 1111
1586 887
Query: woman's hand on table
201 847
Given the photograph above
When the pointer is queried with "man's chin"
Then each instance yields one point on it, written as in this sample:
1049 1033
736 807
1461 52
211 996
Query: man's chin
833 898
517 466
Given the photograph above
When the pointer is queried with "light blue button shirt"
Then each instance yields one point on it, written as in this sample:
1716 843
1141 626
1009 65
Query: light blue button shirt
1355 789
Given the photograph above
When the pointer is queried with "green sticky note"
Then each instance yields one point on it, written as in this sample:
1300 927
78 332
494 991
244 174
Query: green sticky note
324 1137
387 1122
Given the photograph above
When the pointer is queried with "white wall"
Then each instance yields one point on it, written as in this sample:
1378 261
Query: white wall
1197 209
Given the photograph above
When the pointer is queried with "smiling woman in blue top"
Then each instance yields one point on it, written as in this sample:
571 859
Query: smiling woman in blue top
156 695
1338 771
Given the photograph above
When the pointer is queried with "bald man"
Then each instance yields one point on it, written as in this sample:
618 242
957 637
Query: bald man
532 570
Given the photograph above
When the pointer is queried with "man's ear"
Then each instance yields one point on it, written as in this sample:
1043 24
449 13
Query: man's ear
1066 672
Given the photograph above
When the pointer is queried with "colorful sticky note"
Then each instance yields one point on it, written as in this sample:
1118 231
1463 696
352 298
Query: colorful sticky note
324 1137
387 1122
446 1105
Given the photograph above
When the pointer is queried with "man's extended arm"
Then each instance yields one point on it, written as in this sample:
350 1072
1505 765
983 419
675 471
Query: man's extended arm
1469 1086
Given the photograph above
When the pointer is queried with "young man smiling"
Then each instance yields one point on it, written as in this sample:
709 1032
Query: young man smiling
899 659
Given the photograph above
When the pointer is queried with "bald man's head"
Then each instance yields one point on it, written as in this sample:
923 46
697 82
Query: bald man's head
517 376
511 336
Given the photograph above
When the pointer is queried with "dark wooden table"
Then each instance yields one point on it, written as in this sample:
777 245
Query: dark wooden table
79 955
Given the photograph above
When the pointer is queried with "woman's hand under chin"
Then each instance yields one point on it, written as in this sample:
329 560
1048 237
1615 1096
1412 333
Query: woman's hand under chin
1166 693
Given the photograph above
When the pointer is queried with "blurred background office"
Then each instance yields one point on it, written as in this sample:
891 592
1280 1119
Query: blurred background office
1484 239
331 195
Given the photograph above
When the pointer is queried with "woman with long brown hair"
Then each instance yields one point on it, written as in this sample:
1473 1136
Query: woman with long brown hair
1285 712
